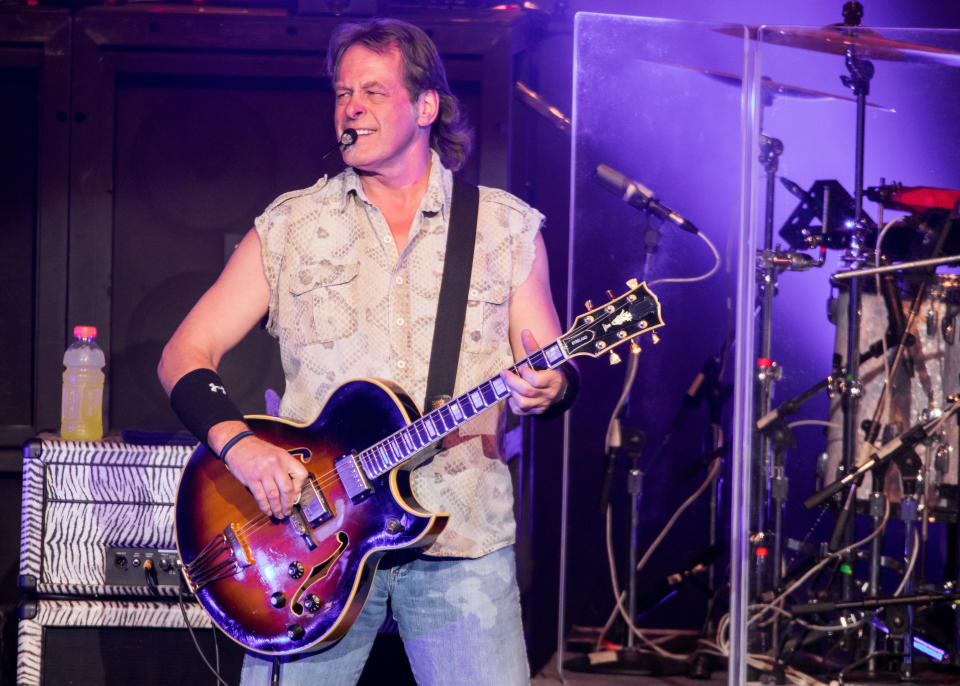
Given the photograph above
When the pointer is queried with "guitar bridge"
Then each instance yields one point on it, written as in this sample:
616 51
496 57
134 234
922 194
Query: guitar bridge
355 482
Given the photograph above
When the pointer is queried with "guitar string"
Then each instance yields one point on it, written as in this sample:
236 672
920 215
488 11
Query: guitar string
324 479
330 477
251 526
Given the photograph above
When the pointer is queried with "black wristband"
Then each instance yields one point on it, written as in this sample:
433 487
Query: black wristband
563 403
200 400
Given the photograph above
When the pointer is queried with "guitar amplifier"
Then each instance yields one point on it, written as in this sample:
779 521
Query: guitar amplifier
97 518
114 642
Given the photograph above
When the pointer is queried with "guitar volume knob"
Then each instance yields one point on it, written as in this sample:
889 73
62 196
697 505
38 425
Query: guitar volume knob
278 600
312 602
295 632
295 570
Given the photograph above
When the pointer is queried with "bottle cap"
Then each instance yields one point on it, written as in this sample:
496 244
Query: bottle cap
84 332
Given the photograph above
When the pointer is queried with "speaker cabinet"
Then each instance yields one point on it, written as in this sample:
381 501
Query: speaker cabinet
92 642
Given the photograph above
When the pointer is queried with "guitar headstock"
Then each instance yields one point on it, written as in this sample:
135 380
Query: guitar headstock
601 329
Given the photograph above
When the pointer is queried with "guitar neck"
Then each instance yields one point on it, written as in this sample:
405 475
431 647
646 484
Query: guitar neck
404 444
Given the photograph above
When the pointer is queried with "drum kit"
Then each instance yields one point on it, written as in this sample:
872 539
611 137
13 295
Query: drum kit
892 444
892 441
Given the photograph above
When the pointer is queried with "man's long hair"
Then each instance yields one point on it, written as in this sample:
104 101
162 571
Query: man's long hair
423 71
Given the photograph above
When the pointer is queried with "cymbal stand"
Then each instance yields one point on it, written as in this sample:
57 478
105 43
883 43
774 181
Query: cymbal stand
767 373
858 81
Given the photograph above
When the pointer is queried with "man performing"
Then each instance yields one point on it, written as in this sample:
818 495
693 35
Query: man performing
347 272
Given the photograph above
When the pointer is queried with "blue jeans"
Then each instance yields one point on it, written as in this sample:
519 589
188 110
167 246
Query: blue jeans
459 620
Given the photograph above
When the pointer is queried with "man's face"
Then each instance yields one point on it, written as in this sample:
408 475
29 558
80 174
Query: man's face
372 98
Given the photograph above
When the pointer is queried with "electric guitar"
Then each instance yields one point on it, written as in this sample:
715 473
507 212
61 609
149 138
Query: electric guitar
283 586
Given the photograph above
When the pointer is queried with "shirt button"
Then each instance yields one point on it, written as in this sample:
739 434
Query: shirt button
399 280
399 321
401 364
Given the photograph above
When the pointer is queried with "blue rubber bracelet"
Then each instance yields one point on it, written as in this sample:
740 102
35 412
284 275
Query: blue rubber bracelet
232 442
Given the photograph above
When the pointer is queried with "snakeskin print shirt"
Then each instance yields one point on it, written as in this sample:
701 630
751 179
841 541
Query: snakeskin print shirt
344 304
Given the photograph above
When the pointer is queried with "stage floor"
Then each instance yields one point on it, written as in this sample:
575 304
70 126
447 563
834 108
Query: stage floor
548 676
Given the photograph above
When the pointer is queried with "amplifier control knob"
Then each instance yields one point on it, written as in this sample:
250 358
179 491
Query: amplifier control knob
295 570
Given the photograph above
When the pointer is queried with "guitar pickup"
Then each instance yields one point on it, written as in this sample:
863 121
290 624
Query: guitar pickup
312 510
354 481
316 509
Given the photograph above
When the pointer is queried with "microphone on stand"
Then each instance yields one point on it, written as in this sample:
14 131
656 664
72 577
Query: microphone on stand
639 196
347 138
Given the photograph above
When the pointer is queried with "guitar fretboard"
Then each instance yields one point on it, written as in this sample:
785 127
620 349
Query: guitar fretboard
430 428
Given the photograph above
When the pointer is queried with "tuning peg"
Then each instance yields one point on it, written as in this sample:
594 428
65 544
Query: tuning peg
614 358
635 348
610 294
632 283
588 304
655 338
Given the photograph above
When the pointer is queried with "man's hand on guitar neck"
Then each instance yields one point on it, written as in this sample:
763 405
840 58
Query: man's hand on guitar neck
272 475
532 392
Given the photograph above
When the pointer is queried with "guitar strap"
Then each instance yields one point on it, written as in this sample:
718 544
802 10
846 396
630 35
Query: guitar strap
454 287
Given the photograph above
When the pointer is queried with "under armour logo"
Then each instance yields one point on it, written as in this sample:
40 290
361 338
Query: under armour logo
216 388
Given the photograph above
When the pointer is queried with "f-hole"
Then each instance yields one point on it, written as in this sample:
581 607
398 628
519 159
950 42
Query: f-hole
317 573
302 454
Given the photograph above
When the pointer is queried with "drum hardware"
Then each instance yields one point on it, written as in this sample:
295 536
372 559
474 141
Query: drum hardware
844 226
889 451
916 199
895 314
901 266
834 384
770 483
828 203
897 623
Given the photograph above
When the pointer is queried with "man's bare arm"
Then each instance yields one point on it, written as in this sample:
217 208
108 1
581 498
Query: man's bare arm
534 321
221 318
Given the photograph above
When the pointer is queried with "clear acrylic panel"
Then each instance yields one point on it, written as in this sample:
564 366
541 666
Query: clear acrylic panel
856 139
659 108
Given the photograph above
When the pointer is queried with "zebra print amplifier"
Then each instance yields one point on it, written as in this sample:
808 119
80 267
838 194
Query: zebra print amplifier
86 505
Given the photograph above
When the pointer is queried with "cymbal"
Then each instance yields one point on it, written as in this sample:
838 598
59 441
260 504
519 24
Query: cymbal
866 43
773 88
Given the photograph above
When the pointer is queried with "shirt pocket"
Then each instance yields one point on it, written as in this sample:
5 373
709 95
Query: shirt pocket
487 322
324 305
